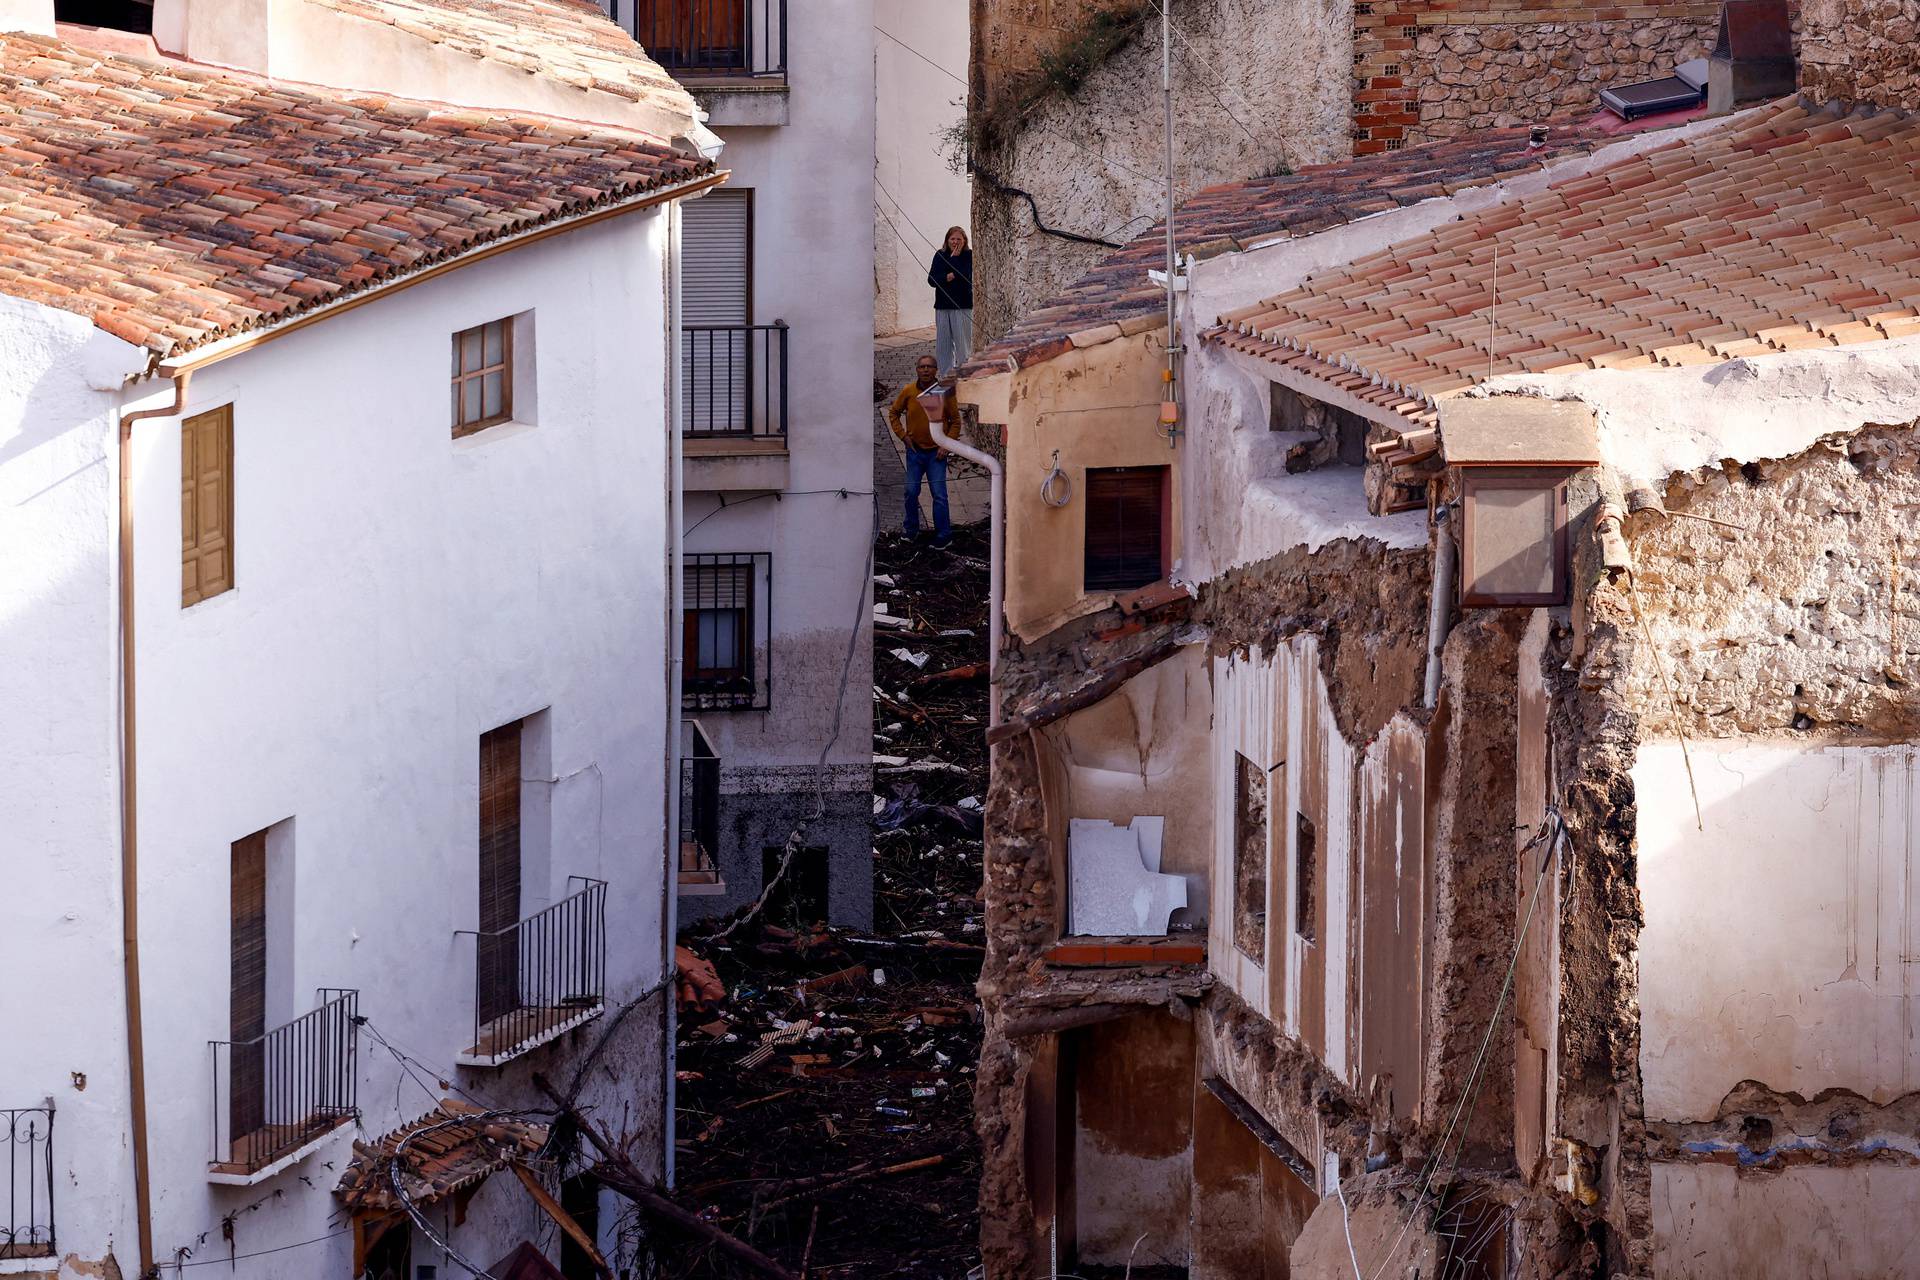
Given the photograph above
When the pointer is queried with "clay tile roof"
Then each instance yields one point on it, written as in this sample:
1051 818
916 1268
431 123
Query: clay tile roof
1779 231
174 207
448 1150
572 41
1235 215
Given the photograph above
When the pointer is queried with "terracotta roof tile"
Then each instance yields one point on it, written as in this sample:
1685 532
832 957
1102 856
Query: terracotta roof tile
1779 231
447 1150
174 206
1230 216
572 41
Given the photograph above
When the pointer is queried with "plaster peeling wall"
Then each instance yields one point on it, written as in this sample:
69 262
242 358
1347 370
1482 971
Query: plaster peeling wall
65 1037
1095 161
1715 1223
1799 975
1133 1087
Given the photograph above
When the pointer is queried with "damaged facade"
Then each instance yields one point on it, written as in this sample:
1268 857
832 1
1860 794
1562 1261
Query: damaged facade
1502 675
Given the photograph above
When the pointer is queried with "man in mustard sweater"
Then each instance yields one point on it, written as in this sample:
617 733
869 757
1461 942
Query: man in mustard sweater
907 417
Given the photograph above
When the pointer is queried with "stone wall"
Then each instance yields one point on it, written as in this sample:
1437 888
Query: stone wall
1427 69
1861 51
1259 88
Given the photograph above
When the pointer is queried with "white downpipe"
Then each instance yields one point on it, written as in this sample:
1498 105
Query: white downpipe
996 555
676 543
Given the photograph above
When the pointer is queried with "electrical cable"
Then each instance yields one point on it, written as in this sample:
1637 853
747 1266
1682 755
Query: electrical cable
774 493
1557 828
259 1253
1056 477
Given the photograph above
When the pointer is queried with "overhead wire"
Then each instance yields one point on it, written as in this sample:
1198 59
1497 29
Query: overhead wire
258 1253
1207 82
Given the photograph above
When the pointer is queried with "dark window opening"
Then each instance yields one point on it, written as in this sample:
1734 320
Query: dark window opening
1249 857
1126 527
118 15
801 897
1306 906
1340 436
247 987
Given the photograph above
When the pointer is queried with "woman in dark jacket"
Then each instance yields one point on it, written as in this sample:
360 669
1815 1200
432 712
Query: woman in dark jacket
951 276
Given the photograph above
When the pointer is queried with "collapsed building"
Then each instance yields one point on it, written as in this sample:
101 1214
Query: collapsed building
1454 772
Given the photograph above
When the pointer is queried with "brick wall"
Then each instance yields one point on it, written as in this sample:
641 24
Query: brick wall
1861 51
1426 69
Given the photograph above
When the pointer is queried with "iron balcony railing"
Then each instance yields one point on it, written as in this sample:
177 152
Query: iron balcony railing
699 813
736 380
27 1229
714 37
274 1094
539 978
726 621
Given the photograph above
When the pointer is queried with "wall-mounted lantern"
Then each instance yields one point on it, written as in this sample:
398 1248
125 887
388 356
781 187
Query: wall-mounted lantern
1513 456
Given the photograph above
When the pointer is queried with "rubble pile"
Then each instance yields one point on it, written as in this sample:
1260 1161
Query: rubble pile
825 1076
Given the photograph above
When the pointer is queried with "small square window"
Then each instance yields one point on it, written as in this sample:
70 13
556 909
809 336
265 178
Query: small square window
482 377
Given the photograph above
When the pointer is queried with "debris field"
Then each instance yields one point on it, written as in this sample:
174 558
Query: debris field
825 1092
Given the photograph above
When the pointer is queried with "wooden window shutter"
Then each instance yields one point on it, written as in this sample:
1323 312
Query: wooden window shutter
206 505
1126 520
247 1001
499 953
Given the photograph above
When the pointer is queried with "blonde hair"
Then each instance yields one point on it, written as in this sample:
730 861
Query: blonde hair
947 239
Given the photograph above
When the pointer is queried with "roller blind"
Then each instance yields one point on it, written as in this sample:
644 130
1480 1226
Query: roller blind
499 953
1125 527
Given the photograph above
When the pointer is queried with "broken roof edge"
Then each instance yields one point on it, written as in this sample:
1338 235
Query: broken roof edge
1658 423
221 344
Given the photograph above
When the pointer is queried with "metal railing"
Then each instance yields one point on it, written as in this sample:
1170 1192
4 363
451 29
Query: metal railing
27 1229
278 1092
539 976
714 37
726 598
700 812
736 380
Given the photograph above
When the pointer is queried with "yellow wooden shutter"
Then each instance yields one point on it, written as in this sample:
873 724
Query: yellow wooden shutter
206 505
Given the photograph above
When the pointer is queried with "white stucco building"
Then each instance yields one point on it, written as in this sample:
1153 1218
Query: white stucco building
920 185
777 313
338 483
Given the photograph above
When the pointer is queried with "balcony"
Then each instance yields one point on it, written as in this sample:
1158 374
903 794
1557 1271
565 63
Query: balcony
699 816
735 420
275 1097
26 1229
731 53
536 980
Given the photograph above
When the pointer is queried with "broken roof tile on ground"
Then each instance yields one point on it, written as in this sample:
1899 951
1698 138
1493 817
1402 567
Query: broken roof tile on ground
1233 216
1785 229
173 206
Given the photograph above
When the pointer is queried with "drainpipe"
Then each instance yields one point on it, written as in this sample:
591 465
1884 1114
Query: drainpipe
1440 603
129 828
670 883
996 555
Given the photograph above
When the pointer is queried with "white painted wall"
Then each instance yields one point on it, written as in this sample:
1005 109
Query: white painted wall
61 993
918 194
812 180
1777 941
397 593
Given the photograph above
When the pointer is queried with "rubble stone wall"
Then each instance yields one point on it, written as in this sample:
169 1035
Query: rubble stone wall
1428 69
1861 51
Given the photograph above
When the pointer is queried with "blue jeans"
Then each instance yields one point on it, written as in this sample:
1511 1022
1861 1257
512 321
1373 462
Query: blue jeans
932 464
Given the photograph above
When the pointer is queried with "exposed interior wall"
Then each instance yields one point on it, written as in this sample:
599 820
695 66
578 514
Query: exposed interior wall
1248 1206
1712 1222
918 194
1259 88
1861 51
1133 1159
1143 752
1797 976
1537 881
